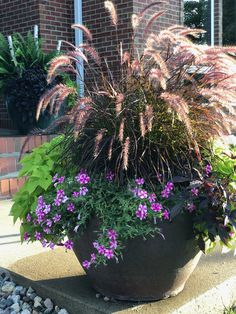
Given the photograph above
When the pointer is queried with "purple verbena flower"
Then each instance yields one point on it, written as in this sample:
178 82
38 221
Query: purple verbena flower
44 243
86 264
26 236
166 215
56 218
109 253
95 245
156 207
165 193
47 230
142 194
110 176
152 197
169 186
61 179
51 245
75 194
47 209
141 212
113 244
57 201
40 200
82 178
65 199
208 169
101 249
69 245
38 236
71 207
93 258
112 234
139 181
83 191
54 179
194 191
60 193
49 223
28 217
191 207
40 214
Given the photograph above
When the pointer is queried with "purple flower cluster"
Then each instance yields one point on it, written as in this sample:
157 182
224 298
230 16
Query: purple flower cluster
191 207
69 245
152 197
57 180
156 207
107 252
82 177
56 218
167 190
141 212
194 191
71 207
110 176
139 181
60 198
83 191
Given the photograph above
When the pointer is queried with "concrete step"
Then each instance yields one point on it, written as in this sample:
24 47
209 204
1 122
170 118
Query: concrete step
9 163
57 274
12 144
10 184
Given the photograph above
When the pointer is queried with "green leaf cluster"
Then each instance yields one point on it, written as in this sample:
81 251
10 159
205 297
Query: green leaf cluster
27 53
224 163
38 167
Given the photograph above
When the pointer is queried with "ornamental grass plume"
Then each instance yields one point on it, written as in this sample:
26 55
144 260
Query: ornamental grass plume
157 116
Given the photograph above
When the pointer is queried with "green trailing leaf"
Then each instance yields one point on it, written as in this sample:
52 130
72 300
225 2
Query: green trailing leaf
38 166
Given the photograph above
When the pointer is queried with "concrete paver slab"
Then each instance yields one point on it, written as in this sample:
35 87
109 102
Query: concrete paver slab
11 249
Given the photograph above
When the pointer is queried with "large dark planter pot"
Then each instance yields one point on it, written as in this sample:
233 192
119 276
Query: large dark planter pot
150 270
26 123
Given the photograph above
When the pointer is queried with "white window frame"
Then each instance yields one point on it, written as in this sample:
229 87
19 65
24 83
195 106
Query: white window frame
212 22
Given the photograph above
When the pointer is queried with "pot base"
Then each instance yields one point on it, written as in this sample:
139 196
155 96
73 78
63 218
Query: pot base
141 298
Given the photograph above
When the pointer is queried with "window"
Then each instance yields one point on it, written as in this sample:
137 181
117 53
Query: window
217 17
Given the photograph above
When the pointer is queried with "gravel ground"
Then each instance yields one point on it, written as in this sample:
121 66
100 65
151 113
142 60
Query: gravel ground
17 299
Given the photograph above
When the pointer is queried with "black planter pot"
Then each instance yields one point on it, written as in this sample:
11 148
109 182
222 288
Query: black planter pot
26 123
150 270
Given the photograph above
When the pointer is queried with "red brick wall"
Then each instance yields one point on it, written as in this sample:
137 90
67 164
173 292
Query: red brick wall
98 21
173 15
18 15
54 18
